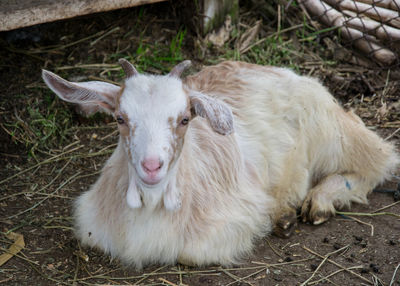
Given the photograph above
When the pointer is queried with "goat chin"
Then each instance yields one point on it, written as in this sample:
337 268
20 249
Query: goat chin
293 147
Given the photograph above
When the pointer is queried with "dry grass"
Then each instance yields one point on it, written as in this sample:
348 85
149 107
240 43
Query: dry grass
50 154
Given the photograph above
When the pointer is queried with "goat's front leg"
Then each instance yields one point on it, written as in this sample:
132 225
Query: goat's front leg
289 195
334 191
285 221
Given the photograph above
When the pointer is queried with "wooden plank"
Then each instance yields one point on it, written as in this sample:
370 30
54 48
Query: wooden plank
16 14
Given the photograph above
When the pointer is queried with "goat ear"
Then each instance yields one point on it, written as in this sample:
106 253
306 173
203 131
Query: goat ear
91 96
215 111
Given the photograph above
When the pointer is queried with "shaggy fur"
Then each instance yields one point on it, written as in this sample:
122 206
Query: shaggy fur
261 142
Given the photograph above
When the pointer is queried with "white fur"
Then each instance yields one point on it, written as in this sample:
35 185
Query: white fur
293 146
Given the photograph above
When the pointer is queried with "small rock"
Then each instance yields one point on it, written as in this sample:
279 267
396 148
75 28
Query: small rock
396 196
374 267
288 259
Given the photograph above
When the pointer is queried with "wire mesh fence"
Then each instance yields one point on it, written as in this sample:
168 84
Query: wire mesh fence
372 27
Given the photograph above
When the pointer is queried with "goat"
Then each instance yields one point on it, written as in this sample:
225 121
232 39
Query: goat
207 164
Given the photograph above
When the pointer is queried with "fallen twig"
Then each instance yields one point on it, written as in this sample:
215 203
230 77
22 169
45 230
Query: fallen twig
166 281
102 276
242 279
394 275
322 262
369 214
391 135
19 256
282 263
386 207
47 197
362 222
103 79
49 160
273 249
103 36
60 47
271 36
76 271
236 278
248 37
90 66
332 274
145 277
338 265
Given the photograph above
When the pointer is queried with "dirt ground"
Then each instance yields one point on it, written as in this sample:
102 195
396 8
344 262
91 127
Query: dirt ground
49 154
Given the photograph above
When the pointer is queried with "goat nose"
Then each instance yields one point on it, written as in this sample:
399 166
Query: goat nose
151 165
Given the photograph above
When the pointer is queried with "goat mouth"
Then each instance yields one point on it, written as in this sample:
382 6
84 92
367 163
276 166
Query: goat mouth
150 181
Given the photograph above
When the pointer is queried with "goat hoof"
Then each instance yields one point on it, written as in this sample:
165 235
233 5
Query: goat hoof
186 262
310 213
285 225
320 217
315 217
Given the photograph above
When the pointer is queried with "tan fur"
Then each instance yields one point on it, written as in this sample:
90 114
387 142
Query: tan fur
292 147
303 135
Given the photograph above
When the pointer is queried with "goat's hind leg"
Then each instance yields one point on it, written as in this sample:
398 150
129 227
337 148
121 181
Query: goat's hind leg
334 191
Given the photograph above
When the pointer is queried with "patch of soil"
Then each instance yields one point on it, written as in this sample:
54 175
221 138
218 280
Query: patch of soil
37 197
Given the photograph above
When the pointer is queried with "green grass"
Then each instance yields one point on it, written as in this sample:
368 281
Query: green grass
275 51
158 56
291 47
42 125
45 125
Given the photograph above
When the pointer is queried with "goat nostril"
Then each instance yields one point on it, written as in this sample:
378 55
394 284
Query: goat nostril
152 165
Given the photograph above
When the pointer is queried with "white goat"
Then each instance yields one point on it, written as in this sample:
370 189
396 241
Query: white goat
176 189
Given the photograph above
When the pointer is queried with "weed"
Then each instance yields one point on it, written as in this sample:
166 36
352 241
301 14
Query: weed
272 51
176 46
43 126
159 56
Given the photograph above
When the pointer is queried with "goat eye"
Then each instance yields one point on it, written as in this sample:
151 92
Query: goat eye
185 121
120 120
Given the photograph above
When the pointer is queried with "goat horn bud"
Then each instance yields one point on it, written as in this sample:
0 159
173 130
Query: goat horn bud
128 68
178 69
